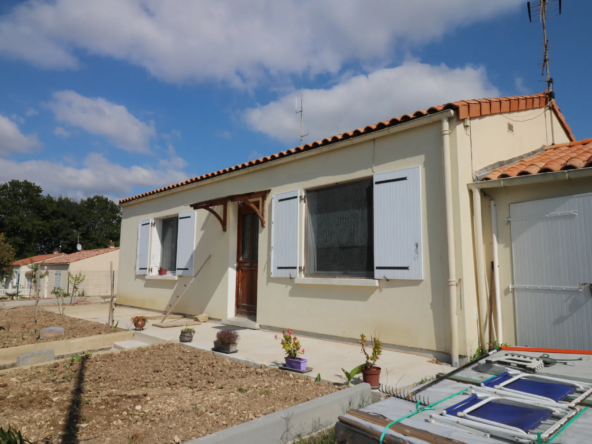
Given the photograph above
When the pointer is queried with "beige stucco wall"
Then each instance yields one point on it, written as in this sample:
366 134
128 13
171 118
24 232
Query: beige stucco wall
503 198
493 143
409 313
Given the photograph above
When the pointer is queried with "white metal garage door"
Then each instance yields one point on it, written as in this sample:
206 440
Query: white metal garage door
552 258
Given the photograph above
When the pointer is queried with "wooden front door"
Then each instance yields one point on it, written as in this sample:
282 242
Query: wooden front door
247 261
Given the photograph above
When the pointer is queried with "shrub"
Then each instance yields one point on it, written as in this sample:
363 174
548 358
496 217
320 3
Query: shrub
227 337
291 345
188 330
376 350
12 436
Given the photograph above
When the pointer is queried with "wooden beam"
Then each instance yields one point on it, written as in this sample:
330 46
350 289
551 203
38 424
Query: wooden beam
254 207
222 219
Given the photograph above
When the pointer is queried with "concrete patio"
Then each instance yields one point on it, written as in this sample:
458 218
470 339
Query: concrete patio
326 357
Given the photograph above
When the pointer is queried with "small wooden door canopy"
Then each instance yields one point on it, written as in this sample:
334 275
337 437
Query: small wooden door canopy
242 199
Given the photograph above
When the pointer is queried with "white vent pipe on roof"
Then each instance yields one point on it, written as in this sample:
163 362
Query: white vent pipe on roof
452 281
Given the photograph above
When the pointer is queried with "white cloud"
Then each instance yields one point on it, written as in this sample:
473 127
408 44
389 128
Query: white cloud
101 117
11 139
253 155
174 134
365 100
520 86
174 162
224 134
97 176
18 119
31 112
59 131
237 42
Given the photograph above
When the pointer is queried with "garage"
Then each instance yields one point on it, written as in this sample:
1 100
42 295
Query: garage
552 271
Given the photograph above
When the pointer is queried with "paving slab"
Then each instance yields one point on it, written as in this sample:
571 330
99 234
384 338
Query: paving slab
327 357
37 357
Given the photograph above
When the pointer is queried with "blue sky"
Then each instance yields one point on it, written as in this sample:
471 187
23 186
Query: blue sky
117 97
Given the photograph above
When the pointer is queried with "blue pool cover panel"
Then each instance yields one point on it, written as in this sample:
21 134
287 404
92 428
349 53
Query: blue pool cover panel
553 390
524 418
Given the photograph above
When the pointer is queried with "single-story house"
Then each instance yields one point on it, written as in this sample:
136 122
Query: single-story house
382 230
22 274
93 265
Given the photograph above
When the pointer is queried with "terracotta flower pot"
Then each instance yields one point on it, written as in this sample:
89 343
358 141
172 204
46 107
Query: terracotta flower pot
162 272
296 363
139 324
371 375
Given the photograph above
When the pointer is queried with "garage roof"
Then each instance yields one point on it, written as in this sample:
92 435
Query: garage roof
560 157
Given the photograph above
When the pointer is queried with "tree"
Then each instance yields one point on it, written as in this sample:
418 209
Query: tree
6 258
37 224
102 222
24 216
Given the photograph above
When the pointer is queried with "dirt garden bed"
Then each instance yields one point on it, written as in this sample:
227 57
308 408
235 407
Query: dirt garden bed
147 395
17 326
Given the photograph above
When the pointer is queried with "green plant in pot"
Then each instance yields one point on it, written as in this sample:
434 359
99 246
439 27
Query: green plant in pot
292 347
370 372
226 341
186 335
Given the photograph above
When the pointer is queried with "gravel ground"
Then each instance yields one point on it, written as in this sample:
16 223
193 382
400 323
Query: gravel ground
17 326
159 394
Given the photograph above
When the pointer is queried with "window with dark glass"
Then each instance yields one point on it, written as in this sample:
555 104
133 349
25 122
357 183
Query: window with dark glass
339 230
168 259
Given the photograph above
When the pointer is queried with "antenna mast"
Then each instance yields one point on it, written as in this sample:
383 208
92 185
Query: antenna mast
545 9
301 112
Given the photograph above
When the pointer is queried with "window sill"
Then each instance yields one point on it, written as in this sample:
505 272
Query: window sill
167 277
338 281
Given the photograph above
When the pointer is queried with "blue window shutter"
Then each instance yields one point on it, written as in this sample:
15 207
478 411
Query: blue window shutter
143 252
397 225
284 234
186 244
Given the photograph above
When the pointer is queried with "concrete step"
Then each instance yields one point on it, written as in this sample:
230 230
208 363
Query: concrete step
126 345
147 339
241 321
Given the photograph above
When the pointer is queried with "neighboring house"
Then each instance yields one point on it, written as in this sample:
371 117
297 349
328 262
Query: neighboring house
22 274
371 231
94 265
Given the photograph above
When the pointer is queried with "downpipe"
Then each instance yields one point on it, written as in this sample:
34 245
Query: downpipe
452 281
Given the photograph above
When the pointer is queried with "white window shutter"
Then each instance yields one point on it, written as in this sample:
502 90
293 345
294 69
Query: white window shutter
156 247
143 252
185 243
397 225
284 234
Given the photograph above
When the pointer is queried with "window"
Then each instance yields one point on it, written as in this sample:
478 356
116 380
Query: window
168 239
339 230
168 243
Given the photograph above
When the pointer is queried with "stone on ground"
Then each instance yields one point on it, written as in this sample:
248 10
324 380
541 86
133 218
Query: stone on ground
51 332
35 358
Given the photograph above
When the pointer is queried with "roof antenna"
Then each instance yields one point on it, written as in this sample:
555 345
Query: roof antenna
301 111
545 9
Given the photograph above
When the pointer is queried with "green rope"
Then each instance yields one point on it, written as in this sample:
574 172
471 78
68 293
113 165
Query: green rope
568 424
419 409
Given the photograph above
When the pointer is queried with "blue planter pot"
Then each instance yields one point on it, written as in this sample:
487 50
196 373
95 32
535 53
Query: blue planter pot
296 364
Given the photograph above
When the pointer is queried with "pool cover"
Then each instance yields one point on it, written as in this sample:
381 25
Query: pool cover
524 418
553 390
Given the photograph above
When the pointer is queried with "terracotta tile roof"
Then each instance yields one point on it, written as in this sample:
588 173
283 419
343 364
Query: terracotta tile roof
35 259
560 157
80 256
463 108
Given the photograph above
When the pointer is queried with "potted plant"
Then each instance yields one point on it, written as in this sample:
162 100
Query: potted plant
186 335
139 322
292 347
162 271
370 372
226 341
